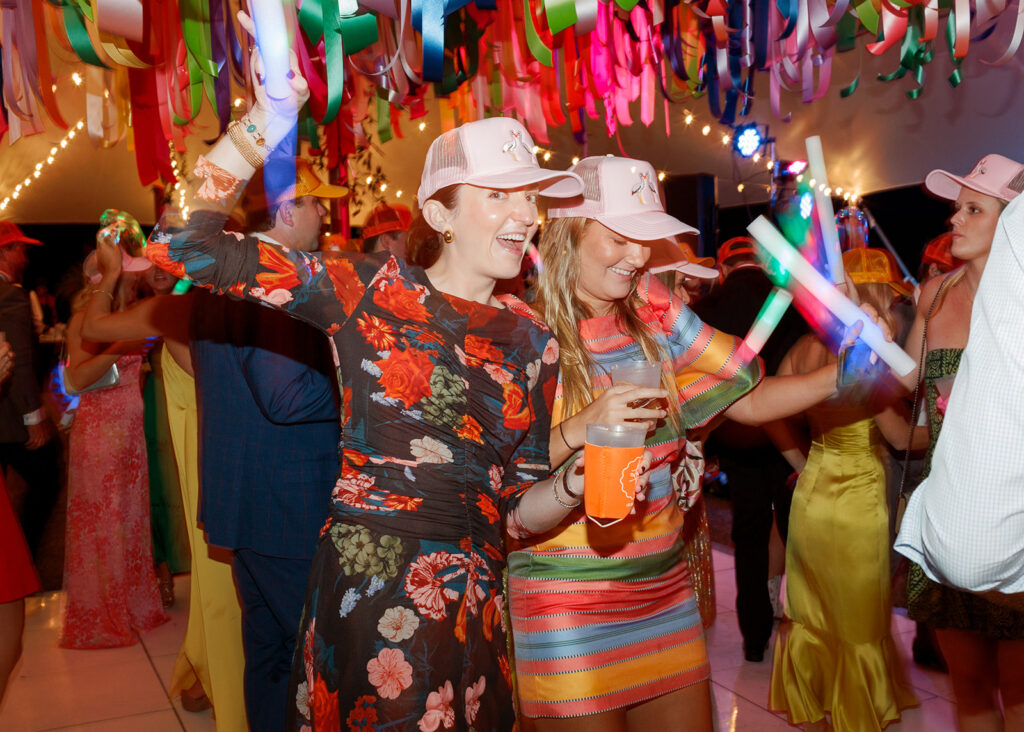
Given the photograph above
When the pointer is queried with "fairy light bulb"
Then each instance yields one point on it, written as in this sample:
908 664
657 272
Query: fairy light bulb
706 130
575 159
739 188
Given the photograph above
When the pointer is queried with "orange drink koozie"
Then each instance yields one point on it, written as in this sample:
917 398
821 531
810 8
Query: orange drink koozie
609 480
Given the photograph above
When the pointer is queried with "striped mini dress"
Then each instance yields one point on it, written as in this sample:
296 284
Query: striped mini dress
605 618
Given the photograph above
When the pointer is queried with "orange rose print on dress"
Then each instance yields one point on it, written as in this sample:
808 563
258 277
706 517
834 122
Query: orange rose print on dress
402 303
515 409
480 350
405 375
324 706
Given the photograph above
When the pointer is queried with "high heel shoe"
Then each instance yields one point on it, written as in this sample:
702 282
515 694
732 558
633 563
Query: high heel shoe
165 582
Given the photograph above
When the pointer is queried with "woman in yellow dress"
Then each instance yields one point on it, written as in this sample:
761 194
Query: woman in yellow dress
211 654
835 654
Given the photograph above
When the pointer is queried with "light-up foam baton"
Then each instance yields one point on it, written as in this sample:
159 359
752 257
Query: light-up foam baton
824 292
767 320
272 41
823 206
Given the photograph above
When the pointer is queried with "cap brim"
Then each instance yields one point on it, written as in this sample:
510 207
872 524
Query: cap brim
325 190
551 183
901 287
691 269
946 185
646 226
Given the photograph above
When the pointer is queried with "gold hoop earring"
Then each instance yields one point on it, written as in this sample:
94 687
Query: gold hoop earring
448 236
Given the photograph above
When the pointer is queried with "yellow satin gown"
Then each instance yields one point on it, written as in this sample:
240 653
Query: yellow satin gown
834 653
212 650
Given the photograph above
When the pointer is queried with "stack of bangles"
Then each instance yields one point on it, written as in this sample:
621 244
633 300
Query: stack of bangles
254 155
565 487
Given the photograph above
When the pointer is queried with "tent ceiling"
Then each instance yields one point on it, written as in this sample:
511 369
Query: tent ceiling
873 140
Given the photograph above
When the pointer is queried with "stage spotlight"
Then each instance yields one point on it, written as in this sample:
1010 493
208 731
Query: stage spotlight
748 140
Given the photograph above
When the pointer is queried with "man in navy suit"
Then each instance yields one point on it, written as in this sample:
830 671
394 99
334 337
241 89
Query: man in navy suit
268 441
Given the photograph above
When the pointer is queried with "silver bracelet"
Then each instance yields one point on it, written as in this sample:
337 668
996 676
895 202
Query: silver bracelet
558 499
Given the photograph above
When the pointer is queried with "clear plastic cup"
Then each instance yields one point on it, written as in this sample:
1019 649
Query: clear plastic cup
612 457
638 373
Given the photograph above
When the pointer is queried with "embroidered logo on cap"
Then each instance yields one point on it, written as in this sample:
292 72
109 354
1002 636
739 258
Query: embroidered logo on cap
512 145
644 185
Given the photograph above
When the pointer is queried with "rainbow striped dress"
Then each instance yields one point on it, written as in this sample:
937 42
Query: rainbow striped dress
605 618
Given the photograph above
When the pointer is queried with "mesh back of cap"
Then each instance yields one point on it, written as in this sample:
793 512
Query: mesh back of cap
445 165
587 170
1017 182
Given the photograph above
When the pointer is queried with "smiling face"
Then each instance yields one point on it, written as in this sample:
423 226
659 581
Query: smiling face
490 229
974 224
159 281
609 264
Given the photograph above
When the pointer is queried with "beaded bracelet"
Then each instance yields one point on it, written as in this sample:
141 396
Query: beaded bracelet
254 131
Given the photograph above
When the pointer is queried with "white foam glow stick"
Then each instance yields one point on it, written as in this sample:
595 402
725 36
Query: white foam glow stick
272 40
823 205
768 319
824 292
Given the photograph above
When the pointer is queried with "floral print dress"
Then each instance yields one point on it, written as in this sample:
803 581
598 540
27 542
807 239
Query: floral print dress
445 418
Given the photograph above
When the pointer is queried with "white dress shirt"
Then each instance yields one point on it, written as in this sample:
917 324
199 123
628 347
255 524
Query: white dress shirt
965 523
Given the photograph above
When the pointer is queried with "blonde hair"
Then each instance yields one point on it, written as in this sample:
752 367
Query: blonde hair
880 296
561 308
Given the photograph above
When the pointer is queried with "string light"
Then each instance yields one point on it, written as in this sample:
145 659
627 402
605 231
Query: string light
369 179
383 187
688 119
726 139
423 126
37 170
77 78
547 156
661 175
575 159
398 193
706 130
739 188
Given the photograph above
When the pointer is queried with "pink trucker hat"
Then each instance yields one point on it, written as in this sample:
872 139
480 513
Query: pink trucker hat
622 194
994 175
128 264
490 153
669 254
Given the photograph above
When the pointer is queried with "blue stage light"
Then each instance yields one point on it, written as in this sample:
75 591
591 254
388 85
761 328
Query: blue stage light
748 140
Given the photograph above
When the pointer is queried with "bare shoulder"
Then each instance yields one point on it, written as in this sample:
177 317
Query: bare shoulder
928 292
806 355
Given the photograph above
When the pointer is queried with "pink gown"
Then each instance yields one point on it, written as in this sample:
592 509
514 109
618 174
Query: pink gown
108 567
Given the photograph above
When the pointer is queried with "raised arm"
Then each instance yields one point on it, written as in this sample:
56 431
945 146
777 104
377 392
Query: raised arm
190 241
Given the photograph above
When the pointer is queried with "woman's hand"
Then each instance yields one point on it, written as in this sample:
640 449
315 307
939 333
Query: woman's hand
574 483
108 252
298 91
614 407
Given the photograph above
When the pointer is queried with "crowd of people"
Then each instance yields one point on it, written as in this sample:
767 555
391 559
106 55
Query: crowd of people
455 580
